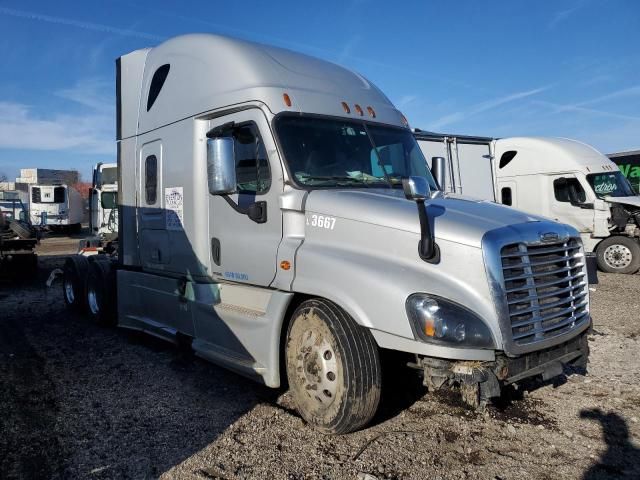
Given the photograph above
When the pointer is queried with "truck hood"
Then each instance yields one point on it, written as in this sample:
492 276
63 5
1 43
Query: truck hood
634 201
453 217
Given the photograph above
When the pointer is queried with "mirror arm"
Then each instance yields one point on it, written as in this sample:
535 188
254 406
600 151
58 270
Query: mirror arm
427 247
257 211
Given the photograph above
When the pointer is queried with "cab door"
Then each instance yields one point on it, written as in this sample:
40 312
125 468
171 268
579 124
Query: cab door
571 202
245 228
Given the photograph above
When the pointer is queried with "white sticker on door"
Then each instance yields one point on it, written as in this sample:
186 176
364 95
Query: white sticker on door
173 204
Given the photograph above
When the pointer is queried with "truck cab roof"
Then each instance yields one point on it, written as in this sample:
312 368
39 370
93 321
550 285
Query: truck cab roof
543 155
190 75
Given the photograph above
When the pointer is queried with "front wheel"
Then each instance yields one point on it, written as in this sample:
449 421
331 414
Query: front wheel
618 254
333 368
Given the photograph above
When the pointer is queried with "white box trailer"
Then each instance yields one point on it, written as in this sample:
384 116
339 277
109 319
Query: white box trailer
277 215
59 207
558 178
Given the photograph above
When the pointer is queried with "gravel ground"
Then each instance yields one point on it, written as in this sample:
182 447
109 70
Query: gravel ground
81 401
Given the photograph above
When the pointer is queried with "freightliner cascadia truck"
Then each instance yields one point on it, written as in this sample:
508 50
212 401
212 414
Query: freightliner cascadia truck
558 178
277 216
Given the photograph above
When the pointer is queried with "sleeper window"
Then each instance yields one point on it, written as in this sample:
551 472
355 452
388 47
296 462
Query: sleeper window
568 190
506 196
252 166
150 179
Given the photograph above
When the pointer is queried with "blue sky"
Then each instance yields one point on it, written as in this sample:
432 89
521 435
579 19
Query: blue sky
497 68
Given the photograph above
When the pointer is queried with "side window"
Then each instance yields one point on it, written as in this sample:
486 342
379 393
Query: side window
568 190
252 166
505 194
157 82
35 195
150 179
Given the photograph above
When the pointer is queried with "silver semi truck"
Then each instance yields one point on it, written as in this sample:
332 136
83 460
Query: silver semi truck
277 215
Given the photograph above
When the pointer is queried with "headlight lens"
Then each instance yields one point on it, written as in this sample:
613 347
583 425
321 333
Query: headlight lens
440 321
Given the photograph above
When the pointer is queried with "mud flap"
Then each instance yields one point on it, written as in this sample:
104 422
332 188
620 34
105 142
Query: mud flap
592 268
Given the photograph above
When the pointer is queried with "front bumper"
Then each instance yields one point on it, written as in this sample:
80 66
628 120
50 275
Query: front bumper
505 370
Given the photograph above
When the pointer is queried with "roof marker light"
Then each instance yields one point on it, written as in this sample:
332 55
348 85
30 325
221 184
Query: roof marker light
359 109
372 112
287 100
346 107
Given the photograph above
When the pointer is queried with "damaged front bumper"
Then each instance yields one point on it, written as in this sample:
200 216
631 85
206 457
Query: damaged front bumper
481 381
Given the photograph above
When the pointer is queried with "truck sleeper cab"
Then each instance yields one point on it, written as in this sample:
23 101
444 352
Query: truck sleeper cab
55 206
557 178
276 213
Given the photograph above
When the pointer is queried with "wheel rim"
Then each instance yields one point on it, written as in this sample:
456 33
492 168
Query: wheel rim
68 291
319 367
618 256
92 300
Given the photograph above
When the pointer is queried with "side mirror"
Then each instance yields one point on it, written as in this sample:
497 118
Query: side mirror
416 188
439 171
221 166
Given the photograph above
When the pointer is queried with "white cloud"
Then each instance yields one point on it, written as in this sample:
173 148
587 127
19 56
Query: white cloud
22 129
96 27
482 107
562 15
90 132
406 100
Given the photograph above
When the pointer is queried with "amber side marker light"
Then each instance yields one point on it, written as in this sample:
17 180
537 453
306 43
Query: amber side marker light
345 107
287 100
372 112
285 265
359 109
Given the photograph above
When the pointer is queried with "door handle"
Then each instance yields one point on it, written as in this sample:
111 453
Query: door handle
215 250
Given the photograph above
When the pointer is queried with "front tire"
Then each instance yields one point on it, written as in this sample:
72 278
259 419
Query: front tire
618 254
333 368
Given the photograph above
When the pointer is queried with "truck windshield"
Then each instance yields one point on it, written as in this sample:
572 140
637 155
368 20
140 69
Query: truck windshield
109 176
345 153
610 184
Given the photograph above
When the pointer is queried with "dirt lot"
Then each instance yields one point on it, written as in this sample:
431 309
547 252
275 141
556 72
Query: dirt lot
81 401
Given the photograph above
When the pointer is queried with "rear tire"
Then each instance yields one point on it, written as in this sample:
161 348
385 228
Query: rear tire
74 282
333 368
618 254
101 300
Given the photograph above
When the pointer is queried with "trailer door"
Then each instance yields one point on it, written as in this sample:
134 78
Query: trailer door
473 162
244 249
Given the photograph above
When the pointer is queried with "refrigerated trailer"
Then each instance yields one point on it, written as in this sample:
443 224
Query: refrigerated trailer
55 206
558 178
276 215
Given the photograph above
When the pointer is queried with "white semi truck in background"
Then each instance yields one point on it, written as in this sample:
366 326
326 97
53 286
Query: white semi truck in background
277 216
58 207
565 180
103 201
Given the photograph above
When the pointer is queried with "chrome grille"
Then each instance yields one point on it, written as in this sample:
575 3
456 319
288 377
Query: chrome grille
546 289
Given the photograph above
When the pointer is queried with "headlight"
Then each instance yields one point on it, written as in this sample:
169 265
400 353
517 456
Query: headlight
440 321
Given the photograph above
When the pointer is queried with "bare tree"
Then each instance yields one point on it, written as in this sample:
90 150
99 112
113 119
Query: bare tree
3 177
